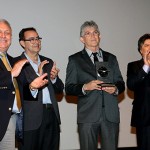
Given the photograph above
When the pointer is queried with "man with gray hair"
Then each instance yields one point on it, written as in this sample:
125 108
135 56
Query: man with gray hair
10 97
10 88
94 76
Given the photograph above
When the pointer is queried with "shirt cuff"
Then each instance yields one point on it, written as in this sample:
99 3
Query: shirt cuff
83 91
54 81
116 92
34 92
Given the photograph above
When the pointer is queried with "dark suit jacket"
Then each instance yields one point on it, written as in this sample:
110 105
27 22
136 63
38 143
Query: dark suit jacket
139 82
7 95
33 107
81 70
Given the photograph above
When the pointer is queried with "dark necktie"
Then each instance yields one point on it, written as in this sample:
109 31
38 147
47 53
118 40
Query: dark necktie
95 57
8 67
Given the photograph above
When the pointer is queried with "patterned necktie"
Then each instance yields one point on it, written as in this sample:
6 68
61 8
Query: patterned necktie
18 99
95 57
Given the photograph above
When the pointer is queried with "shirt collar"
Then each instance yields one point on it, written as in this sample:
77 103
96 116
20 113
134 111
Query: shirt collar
3 53
99 52
30 60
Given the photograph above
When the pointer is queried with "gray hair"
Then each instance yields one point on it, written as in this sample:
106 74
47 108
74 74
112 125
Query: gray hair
88 24
6 22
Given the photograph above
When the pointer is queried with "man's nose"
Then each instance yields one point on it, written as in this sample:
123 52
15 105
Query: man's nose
2 34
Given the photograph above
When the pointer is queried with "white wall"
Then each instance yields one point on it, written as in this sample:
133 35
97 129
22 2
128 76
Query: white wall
121 23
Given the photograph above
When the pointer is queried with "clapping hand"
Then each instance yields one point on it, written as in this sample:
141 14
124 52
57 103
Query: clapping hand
54 72
146 58
40 68
18 67
39 82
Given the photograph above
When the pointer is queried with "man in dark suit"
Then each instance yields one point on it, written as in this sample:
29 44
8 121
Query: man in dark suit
9 107
98 112
138 80
41 113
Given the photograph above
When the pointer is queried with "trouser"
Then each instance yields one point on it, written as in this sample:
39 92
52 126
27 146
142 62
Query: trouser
47 136
143 138
8 142
89 134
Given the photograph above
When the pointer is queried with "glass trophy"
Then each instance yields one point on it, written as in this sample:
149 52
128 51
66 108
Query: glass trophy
104 73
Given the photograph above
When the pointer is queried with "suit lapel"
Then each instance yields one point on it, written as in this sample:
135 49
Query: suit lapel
45 67
89 66
87 58
105 55
2 66
10 59
29 71
140 63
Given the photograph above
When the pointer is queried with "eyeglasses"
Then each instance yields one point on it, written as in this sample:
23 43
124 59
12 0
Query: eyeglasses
89 34
5 33
33 40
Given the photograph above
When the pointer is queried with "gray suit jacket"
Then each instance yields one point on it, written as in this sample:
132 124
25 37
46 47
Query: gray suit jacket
81 70
33 107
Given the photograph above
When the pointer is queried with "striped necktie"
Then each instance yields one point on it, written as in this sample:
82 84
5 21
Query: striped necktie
95 57
8 67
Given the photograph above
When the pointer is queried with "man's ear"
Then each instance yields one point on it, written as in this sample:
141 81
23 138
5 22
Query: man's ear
100 36
82 40
22 43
